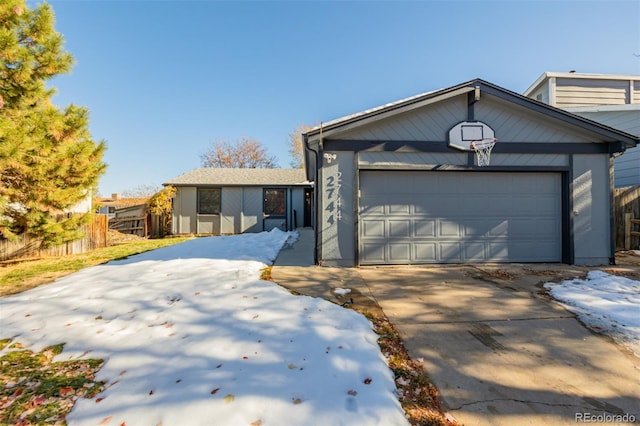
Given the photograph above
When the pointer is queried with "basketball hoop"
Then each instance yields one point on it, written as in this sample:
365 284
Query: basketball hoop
483 149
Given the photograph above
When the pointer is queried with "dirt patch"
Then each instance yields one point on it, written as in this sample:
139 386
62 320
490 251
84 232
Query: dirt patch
114 238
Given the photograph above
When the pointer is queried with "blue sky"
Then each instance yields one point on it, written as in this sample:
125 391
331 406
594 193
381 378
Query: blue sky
165 79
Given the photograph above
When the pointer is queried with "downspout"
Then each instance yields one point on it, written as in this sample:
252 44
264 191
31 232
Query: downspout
316 196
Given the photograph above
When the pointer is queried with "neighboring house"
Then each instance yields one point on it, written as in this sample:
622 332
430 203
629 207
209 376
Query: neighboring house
109 205
233 201
392 189
613 100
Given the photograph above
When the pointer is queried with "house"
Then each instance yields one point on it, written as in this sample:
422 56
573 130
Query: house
613 100
233 201
399 184
109 205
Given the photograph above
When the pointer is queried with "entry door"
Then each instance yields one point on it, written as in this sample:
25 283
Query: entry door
459 217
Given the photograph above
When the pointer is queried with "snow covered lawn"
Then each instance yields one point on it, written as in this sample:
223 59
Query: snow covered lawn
606 303
190 336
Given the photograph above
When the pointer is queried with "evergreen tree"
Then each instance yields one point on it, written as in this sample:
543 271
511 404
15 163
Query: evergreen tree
48 160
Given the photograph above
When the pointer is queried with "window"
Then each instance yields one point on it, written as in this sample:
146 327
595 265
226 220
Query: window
209 201
274 202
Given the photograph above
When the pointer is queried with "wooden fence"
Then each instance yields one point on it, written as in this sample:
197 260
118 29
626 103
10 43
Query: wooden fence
95 237
147 226
627 210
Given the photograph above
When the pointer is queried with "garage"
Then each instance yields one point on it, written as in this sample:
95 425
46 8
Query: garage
454 217
471 173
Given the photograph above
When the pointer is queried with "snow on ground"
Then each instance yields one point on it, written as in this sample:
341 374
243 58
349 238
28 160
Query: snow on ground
190 336
605 303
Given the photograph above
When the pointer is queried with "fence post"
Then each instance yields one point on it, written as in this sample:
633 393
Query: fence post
627 231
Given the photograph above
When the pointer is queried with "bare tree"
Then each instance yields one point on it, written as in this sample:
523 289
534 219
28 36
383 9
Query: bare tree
296 148
244 153
141 191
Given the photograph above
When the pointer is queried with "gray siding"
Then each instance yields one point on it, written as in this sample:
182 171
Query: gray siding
252 211
627 166
184 211
513 123
231 206
429 124
208 224
297 205
337 220
591 209
391 160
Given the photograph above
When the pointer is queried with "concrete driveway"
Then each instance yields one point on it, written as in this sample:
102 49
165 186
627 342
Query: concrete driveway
499 351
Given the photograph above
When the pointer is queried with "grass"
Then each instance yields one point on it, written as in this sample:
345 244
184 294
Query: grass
36 390
23 274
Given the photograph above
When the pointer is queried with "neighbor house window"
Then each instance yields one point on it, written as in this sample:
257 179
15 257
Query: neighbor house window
209 201
274 202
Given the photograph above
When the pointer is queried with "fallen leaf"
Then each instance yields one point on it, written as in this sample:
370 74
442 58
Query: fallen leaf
256 423
229 398
215 391
98 400
151 392
123 424
297 401
352 392
367 381
245 357
66 391
219 365
105 420
291 366
255 316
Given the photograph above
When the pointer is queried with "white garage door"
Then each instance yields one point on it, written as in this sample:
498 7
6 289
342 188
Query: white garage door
457 217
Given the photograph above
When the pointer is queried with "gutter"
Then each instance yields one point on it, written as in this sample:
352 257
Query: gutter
316 195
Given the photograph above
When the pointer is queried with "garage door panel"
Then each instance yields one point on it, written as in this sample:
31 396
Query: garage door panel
450 252
372 253
373 228
448 228
400 228
425 251
516 219
474 252
400 252
395 207
424 228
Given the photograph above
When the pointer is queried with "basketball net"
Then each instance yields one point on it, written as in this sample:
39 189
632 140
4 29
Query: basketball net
483 149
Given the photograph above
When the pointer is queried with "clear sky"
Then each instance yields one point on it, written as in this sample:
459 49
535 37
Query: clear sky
165 79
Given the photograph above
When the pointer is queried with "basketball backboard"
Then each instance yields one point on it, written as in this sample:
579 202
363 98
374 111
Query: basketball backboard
462 134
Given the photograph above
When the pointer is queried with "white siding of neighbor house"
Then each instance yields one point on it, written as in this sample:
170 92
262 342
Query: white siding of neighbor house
584 92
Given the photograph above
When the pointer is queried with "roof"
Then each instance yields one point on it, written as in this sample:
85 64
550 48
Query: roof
240 177
407 104
577 75
120 202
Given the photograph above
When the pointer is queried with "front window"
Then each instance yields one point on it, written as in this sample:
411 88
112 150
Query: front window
209 201
274 202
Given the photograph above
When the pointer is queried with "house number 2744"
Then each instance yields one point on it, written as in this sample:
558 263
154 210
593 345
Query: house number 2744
334 202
